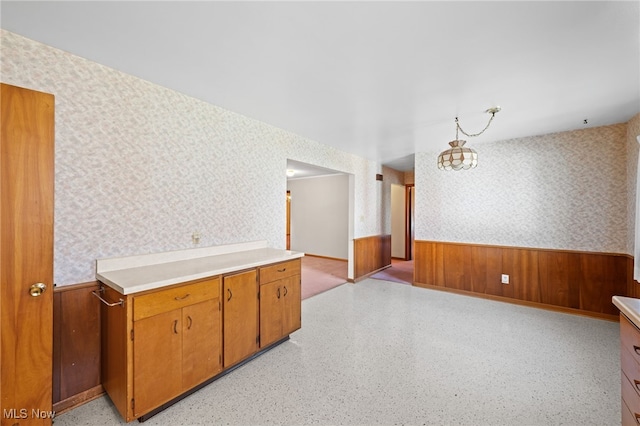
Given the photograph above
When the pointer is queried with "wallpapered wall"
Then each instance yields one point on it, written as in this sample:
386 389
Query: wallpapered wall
139 167
633 150
564 191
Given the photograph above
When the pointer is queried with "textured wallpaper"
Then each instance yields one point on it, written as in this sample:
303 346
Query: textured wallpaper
140 167
565 191
633 148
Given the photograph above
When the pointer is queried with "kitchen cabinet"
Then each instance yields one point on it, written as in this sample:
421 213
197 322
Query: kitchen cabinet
240 316
173 344
630 372
280 304
165 336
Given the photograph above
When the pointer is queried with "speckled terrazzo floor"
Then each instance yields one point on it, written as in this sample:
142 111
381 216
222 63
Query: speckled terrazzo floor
378 352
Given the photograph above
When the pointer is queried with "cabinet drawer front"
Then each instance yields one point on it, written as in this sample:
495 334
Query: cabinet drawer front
630 337
628 418
279 270
629 395
173 298
631 368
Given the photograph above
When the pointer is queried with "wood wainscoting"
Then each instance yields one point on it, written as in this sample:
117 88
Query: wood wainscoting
371 254
76 346
572 280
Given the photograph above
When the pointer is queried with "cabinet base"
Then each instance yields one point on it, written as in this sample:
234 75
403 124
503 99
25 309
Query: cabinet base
223 373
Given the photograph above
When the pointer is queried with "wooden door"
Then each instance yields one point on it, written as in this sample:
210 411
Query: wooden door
240 311
201 342
291 310
271 303
157 360
26 253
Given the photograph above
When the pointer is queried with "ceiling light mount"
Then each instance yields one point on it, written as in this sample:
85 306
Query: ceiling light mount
459 157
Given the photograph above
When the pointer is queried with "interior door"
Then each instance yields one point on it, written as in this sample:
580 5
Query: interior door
26 253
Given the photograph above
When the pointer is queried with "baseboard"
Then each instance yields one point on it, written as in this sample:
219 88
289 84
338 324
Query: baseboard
325 257
562 309
364 277
77 400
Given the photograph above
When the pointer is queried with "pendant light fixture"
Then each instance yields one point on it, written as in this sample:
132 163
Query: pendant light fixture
460 157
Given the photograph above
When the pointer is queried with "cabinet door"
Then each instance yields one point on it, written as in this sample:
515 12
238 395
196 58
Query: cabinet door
271 303
291 311
240 311
157 360
201 342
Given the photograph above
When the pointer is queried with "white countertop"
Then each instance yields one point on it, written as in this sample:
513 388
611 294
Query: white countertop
133 274
630 307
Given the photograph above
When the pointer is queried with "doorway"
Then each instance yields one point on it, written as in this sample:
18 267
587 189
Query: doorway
402 213
402 235
319 222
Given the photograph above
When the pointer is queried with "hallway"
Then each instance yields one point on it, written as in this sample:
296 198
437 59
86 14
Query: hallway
320 274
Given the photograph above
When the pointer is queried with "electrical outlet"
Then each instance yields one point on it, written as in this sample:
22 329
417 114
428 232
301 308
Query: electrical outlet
195 238
505 279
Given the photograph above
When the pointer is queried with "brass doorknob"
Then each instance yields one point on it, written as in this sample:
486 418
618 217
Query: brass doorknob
37 289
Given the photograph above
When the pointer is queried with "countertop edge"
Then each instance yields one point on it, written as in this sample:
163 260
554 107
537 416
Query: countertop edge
153 285
630 307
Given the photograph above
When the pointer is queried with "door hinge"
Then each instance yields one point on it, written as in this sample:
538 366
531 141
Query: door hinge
132 334
258 295
219 305
220 359
133 404
258 340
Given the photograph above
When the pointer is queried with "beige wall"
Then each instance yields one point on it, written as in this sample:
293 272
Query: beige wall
320 215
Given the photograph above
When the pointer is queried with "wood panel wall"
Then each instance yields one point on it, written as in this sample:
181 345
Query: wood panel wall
576 280
371 254
76 346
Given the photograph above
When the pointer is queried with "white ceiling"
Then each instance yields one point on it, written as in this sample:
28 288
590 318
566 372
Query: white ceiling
379 79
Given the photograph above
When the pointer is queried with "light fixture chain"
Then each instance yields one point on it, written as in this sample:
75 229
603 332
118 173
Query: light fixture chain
472 135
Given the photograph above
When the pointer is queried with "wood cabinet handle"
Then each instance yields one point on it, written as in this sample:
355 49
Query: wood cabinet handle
637 349
175 327
282 270
183 297
278 292
230 294
189 322
285 290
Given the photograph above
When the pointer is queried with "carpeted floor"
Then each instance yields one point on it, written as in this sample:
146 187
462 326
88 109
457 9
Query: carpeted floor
320 274
401 271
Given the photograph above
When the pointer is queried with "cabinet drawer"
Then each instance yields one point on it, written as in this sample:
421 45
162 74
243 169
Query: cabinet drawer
631 368
629 395
279 270
628 418
630 337
173 298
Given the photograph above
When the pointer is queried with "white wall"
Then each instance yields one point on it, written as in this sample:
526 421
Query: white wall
398 220
320 215
140 167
